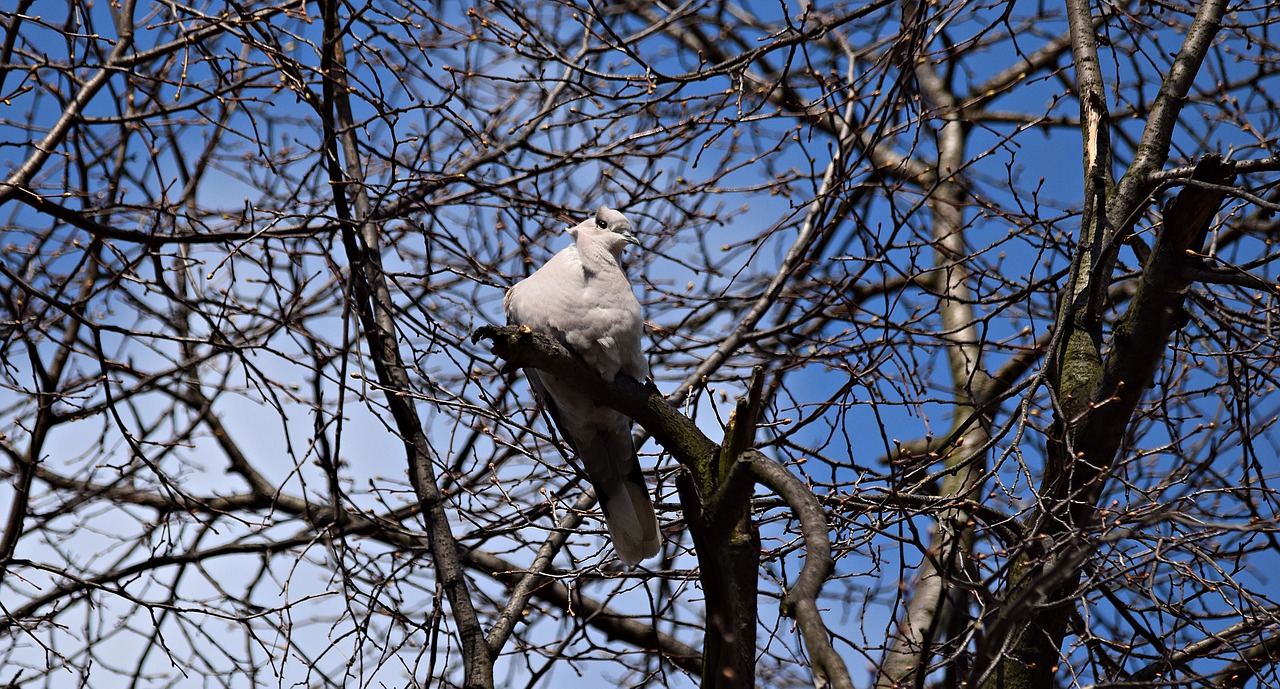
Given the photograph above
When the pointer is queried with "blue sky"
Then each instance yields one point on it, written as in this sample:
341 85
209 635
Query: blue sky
774 170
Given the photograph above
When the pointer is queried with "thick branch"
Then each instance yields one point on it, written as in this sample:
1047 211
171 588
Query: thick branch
1089 442
801 599
372 302
1153 149
522 348
1142 334
717 506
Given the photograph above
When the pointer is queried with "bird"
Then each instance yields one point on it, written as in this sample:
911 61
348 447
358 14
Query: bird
582 297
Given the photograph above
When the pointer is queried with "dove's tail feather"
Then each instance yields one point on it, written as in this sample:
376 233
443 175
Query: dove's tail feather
633 525
601 439
614 471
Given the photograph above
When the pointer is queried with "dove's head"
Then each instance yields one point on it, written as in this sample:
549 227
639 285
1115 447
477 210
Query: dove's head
608 228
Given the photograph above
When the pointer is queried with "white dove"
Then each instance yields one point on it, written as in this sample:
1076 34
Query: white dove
582 298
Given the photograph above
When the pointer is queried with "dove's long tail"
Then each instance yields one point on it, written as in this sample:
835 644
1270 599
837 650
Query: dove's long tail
611 464
601 439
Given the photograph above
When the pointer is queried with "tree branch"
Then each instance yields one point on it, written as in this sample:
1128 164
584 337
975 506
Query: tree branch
801 600
372 302
523 348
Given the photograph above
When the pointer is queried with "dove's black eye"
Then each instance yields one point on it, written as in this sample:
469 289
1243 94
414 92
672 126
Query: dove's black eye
602 224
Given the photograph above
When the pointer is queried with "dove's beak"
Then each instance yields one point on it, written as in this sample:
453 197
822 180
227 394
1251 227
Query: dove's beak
630 238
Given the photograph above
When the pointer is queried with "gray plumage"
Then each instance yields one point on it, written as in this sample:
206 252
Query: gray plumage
582 298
